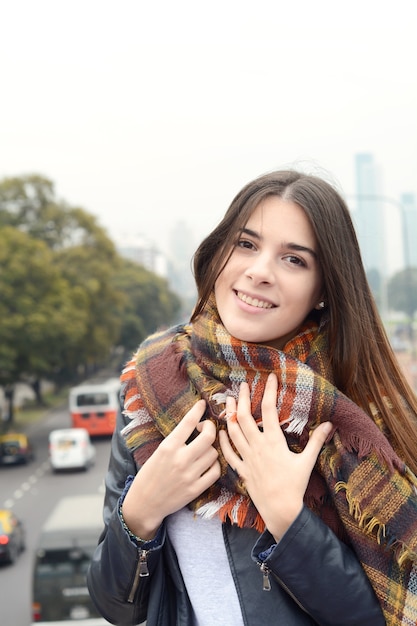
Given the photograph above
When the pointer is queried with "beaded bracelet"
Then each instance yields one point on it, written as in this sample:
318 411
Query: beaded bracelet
127 529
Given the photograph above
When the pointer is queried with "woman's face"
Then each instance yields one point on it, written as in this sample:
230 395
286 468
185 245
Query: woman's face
272 279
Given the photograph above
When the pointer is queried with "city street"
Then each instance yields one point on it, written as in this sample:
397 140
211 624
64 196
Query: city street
32 491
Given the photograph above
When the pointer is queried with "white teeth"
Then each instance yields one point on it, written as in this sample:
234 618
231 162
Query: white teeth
260 304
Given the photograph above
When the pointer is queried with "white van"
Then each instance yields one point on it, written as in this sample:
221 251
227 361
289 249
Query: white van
70 448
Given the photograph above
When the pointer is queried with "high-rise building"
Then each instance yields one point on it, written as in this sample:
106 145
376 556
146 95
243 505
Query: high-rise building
369 214
141 250
180 252
409 227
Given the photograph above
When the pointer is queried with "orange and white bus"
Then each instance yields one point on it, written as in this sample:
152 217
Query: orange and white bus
94 406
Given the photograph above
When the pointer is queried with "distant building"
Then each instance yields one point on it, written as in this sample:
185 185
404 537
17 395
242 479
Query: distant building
143 251
409 218
174 266
369 214
180 253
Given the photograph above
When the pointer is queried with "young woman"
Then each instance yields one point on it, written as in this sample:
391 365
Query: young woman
263 469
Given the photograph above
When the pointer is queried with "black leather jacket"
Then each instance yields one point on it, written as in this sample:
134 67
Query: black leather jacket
314 577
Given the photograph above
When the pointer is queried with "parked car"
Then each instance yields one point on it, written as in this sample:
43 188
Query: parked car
12 536
15 448
70 448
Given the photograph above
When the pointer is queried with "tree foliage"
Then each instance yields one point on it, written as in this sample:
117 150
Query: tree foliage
402 291
40 316
29 203
68 299
148 303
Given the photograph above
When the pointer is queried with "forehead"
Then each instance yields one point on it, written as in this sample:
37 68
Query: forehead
275 217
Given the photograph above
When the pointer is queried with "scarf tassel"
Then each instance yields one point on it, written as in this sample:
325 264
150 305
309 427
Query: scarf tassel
236 511
372 526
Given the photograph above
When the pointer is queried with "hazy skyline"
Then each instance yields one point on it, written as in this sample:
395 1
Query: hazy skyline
146 114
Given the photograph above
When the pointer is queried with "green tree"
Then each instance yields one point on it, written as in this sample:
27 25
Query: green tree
85 256
29 203
40 313
149 304
92 300
402 291
402 296
91 270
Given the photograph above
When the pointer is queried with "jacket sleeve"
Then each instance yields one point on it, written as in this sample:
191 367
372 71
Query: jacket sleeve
116 588
320 573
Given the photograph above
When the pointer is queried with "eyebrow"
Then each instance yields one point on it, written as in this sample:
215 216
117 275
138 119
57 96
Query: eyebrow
291 245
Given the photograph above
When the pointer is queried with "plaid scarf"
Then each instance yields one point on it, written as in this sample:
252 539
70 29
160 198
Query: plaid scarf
359 486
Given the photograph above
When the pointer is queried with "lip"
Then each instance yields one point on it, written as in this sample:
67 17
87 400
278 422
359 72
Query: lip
268 305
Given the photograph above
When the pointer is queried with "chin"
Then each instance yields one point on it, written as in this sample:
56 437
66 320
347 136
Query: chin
248 338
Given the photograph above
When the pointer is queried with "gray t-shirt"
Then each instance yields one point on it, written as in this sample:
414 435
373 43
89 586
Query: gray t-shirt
205 568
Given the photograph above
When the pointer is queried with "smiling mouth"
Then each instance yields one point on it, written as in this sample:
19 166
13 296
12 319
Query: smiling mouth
260 304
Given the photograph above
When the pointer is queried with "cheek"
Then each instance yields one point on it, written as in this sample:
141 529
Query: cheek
318 290
218 284
316 296
224 277
307 296
219 290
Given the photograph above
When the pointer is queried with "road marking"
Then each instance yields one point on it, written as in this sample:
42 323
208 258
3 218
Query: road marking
26 486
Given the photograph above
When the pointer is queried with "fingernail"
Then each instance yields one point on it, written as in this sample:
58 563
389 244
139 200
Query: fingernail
230 409
327 428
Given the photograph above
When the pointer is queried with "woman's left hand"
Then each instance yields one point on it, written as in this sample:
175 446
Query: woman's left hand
275 477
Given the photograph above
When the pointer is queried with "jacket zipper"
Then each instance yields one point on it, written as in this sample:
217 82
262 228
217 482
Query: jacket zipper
266 584
141 572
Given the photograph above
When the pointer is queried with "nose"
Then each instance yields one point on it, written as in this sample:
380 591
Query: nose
261 269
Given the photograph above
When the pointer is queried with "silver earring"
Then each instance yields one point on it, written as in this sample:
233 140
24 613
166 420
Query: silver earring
321 305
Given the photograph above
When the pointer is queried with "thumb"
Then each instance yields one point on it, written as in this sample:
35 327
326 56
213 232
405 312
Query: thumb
184 429
318 438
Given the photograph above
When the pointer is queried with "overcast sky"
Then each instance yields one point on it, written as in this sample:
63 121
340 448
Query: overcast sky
146 113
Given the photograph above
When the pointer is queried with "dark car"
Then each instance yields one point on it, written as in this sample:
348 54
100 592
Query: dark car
12 536
15 448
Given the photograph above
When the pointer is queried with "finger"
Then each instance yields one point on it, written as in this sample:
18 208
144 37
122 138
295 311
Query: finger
226 447
270 419
235 427
208 477
316 441
189 422
244 413
204 440
231 409
201 463
207 427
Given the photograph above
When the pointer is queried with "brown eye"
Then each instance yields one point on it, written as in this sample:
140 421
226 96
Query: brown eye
295 260
244 243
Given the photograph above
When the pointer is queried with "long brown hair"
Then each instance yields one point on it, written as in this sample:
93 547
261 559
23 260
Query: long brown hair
362 359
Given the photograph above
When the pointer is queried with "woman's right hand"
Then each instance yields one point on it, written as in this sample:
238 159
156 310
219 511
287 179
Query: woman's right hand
174 475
